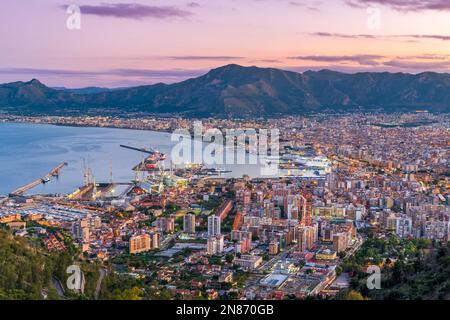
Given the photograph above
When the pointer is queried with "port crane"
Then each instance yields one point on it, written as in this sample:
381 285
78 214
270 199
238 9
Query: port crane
160 156
151 162
154 163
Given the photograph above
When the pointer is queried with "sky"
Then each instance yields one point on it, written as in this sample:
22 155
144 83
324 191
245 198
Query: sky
121 43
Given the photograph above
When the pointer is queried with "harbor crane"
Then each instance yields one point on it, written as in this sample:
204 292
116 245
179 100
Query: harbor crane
151 151
154 164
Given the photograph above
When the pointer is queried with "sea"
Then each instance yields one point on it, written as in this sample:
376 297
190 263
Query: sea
29 151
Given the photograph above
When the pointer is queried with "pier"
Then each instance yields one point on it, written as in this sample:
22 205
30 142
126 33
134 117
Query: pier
53 173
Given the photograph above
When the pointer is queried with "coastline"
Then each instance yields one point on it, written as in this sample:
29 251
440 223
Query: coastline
86 126
68 150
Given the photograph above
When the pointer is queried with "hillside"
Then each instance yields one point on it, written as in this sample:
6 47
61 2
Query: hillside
234 90
415 269
28 271
25 273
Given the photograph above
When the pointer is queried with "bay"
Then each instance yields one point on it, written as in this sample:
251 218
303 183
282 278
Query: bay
29 151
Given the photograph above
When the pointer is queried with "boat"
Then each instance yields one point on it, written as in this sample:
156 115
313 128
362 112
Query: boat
216 171
222 171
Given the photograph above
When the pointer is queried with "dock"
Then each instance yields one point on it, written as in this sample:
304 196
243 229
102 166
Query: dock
53 173
92 191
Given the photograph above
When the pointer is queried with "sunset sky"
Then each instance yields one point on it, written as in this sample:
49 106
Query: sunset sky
124 43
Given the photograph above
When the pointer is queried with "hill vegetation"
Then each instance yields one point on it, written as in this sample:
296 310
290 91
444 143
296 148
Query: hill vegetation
410 270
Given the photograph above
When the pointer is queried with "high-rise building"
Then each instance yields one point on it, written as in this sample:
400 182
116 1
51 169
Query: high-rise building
244 245
291 207
435 230
154 240
448 231
306 237
96 222
403 227
140 243
238 235
243 197
306 208
213 226
189 223
166 224
81 232
215 245
273 247
340 242
391 222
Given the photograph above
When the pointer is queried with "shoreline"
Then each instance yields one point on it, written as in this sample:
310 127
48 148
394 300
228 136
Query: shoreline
84 126
17 126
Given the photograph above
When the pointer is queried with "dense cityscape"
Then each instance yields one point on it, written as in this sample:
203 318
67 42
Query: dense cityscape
355 192
224 159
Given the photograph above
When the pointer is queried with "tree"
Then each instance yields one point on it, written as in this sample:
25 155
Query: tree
354 295
130 294
229 258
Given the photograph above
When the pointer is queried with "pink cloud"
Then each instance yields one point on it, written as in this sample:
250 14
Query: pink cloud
404 5
133 11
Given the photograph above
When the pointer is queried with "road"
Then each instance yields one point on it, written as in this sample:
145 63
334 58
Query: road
165 243
103 273
359 242
59 287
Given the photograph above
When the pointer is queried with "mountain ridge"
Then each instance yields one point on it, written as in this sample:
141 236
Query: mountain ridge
234 90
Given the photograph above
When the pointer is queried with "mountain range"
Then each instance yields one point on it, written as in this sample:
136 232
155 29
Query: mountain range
86 90
237 91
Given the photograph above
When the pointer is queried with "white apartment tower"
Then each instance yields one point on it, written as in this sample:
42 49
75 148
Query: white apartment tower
213 226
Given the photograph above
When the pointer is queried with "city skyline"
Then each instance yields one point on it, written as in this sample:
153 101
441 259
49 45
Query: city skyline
358 196
144 42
